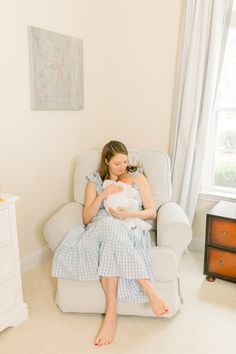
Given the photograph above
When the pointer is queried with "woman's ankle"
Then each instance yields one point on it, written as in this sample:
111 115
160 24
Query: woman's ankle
110 313
146 285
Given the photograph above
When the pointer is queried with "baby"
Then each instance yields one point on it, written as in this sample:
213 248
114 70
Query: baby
127 198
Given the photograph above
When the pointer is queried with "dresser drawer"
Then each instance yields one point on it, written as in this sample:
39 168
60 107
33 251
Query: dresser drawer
222 232
221 263
5 228
8 295
6 263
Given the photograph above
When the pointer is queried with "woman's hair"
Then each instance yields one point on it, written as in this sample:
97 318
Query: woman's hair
110 150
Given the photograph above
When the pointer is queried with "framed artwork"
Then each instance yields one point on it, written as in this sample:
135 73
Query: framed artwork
56 70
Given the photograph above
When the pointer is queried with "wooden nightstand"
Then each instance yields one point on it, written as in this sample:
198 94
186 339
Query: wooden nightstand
220 243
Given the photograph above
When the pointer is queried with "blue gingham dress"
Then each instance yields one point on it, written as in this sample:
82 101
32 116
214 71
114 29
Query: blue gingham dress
106 247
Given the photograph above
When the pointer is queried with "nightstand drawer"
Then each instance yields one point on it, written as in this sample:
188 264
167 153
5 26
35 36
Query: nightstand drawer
8 297
5 228
6 263
221 263
222 232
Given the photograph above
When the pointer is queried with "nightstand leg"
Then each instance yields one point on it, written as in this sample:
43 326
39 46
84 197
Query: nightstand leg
210 278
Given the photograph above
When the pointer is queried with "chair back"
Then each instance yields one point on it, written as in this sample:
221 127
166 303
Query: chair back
155 164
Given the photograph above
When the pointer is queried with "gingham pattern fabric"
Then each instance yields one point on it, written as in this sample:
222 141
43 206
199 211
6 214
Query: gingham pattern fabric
106 247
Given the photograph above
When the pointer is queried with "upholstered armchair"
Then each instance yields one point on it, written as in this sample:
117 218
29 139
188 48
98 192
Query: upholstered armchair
171 234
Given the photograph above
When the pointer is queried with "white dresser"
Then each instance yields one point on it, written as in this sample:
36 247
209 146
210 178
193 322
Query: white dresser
12 308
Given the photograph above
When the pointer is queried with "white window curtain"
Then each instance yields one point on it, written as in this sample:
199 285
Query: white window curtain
203 42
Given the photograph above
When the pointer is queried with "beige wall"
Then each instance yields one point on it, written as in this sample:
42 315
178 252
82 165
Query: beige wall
129 68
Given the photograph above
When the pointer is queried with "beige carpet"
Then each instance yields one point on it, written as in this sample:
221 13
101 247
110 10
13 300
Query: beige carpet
206 323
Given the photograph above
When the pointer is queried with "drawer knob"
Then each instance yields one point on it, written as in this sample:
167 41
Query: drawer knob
221 262
223 233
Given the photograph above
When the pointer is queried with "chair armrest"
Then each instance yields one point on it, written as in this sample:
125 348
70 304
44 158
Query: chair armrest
173 228
65 219
164 264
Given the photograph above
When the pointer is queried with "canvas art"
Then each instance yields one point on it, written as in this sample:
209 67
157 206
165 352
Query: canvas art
56 73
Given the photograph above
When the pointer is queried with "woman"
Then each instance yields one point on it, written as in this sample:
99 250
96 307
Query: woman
108 250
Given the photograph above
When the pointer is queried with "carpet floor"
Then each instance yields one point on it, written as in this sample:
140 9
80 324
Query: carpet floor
206 324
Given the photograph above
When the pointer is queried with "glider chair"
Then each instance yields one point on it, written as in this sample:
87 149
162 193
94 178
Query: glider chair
171 234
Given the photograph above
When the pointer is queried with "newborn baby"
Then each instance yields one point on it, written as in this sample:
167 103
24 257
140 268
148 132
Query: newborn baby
127 198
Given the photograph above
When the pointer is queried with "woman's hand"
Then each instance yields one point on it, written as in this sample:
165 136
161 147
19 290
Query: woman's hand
111 189
121 213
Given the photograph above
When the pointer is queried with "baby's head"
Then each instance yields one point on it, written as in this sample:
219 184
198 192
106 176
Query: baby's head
125 178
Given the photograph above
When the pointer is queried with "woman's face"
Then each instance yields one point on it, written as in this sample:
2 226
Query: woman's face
118 165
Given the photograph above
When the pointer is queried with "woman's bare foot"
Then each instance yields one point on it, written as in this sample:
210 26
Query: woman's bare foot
159 306
106 332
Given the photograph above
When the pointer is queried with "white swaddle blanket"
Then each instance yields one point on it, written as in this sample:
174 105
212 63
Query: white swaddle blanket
127 198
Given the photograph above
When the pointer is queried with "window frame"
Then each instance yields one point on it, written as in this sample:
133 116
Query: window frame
207 187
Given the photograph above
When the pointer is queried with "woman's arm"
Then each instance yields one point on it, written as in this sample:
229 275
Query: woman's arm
149 211
93 201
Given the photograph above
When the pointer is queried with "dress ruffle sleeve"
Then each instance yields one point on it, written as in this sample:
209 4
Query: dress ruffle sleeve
95 178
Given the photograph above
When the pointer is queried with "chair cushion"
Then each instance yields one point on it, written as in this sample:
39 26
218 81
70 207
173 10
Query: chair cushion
156 166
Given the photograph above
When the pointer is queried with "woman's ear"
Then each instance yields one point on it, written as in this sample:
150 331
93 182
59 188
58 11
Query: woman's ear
106 162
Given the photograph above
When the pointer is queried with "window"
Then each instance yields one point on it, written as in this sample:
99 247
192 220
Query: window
220 170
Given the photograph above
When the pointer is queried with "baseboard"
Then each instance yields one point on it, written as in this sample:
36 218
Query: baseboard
197 245
35 258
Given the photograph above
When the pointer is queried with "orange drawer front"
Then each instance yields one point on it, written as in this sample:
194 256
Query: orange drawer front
222 233
222 263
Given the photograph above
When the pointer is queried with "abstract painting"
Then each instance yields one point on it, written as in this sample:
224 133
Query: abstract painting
56 73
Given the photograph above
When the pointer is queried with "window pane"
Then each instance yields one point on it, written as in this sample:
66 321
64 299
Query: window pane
225 153
227 87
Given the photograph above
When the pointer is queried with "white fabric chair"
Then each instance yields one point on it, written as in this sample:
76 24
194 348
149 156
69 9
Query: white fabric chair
171 234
